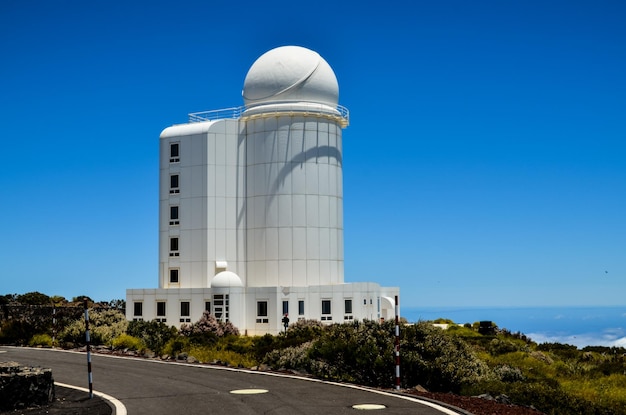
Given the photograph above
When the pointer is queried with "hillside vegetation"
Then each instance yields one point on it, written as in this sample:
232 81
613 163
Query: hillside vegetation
469 360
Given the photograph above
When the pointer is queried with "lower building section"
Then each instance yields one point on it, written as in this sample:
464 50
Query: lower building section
261 310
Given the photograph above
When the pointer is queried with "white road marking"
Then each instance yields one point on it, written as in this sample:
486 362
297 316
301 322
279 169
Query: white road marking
248 391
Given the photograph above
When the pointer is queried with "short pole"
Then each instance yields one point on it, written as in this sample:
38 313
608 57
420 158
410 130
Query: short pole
397 345
88 340
54 324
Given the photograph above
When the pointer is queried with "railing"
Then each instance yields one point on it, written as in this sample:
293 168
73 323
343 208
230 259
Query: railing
237 112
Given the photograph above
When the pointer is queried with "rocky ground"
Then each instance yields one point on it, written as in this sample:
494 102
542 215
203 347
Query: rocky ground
68 402
478 406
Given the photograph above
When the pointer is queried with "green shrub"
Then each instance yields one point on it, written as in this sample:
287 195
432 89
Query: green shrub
153 334
44 340
104 326
438 361
126 341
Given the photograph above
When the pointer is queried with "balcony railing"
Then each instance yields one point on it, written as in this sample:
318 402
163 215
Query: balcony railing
237 112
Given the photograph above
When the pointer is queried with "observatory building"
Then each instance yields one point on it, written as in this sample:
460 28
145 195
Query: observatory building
251 208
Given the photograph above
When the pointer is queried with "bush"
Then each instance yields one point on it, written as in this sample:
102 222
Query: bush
44 340
438 361
154 335
126 341
104 326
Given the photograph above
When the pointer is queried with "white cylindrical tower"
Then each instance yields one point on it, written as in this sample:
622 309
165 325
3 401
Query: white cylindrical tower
294 195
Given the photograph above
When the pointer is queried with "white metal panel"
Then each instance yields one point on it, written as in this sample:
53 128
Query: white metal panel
298 178
220 180
312 186
271 243
299 272
312 211
313 272
285 244
271 273
323 178
299 243
284 210
324 211
312 243
324 243
299 210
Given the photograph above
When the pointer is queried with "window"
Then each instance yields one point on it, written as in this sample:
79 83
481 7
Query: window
220 306
347 305
138 308
174 247
174 184
161 312
285 307
261 312
174 276
174 152
174 215
300 307
326 310
184 312
207 306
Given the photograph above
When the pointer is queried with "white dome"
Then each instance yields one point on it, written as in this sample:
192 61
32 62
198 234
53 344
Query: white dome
226 279
290 74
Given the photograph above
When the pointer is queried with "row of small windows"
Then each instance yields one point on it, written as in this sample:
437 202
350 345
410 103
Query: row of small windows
220 309
262 312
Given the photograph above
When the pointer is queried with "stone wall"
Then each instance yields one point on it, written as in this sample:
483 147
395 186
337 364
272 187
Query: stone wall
23 386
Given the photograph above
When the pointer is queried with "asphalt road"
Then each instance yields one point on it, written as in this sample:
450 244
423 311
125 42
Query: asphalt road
154 387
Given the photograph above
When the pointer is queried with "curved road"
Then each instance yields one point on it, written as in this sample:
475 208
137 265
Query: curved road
154 387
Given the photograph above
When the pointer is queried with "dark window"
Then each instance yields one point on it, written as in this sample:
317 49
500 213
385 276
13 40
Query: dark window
173 244
261 308
161 309
207 306
138 308
285 307
301 307
174 147
174 184
184 308
326 307
348 306
173 276
173 212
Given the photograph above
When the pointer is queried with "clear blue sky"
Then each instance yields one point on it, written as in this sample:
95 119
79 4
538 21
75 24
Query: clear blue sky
485 163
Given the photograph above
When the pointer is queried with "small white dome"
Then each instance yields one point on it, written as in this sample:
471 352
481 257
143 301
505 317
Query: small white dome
290 74
226 279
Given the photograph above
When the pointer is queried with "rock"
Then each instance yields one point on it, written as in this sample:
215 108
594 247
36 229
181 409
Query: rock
485 396
22 386
181 356
502 398
191 359
420 388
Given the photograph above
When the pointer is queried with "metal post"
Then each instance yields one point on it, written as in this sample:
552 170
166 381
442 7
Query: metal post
54 324
397 345
88 340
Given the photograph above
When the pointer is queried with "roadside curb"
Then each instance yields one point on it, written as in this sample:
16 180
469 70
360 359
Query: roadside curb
117 406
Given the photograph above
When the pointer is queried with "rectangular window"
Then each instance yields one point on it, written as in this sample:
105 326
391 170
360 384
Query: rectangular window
326 312
174 276
160 308
285 307
300 307
207 306
174 152
347 305
221 307
138 308
184 312
261 312
174 247
174 215
174 184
